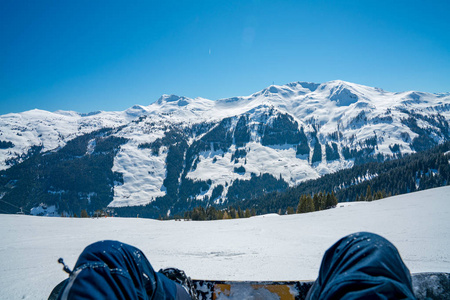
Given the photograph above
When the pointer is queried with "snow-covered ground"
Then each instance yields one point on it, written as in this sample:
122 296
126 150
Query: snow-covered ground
269 247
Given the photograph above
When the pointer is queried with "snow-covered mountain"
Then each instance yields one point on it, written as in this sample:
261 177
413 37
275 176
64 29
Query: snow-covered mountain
198 149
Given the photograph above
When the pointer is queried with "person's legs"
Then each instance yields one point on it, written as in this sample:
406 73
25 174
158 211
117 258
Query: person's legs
362 266
114 270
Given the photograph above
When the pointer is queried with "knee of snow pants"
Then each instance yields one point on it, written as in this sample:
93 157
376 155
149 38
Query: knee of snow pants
362 266
114 270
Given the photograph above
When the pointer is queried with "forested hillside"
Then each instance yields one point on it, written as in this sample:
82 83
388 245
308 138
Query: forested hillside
77 177
366 182
419 171
262 151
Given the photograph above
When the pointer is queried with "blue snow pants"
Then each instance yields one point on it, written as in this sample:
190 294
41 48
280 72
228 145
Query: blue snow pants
362 266
114 270
359 266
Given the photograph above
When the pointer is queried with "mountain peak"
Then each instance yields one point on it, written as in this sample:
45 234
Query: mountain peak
136 110
290 88
345 84
306 85
342 92
338 82
181 100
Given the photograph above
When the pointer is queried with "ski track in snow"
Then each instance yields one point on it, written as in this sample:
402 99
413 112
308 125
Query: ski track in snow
268 247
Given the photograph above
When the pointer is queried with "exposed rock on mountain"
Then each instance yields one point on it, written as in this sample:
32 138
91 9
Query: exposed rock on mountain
178 152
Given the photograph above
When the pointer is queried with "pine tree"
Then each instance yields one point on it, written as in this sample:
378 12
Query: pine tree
240 213
316 201
330 200
322 200
232 212
378 195
334 200
305 204
300 206
84 214
309 204
369 194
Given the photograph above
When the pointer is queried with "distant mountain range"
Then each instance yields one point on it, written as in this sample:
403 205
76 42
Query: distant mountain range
179 152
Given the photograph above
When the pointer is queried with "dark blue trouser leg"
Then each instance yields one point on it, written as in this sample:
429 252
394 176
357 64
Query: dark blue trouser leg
114 270
362 266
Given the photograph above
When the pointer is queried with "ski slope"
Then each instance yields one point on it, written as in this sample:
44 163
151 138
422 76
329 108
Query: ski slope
268 247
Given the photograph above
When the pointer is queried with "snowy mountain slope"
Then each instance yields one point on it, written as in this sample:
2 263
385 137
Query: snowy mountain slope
268 247
346 114
51 130
197 149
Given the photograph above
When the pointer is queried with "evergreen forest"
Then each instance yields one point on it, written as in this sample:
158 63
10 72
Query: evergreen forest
365 182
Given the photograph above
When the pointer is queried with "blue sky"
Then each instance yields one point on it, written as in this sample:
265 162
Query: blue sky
109 55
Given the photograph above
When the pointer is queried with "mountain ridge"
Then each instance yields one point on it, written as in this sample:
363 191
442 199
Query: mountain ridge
184 150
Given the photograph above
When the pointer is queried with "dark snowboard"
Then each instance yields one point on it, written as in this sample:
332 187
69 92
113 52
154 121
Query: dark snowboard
425 285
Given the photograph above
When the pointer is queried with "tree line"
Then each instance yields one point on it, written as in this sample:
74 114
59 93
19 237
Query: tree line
200 213
365 182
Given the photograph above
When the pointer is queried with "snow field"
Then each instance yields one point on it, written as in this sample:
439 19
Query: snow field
268 247
143 176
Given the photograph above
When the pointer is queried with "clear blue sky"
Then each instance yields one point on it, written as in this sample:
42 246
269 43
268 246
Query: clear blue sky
109 55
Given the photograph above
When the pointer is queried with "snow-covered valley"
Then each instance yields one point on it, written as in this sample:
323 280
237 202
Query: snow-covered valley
268 247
